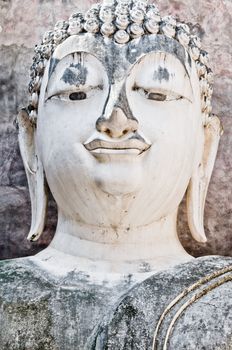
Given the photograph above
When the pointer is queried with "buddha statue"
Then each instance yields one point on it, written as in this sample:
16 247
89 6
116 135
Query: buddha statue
119 126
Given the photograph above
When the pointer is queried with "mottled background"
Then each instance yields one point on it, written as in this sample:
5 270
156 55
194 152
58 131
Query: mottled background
22 24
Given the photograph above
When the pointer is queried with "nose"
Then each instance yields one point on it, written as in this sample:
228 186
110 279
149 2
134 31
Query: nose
117 125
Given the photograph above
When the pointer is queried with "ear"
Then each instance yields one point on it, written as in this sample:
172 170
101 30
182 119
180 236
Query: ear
198 186
35 174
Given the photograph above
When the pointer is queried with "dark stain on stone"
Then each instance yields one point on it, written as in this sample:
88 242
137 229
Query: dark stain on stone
117 66
123 104
144 267
130 311
52 67
76 76
197 29
136 136
134 50
189 60
161 74
7 88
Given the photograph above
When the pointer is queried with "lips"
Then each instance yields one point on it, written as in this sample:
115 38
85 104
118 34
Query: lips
134 145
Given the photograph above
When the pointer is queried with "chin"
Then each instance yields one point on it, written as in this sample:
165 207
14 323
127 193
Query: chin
118 179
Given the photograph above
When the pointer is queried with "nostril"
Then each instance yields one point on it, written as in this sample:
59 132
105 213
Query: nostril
117 125
100 124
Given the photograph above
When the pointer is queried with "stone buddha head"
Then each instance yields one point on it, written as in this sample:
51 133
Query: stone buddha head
119 123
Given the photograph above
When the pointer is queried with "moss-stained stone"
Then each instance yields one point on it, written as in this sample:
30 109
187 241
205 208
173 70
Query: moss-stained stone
42 312
25 317
205 325
39 311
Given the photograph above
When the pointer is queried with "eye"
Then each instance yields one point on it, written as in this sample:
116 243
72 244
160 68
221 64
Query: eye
156 96
78 96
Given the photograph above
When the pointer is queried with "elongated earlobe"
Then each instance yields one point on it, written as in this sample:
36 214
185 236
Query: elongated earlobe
35 174
199 182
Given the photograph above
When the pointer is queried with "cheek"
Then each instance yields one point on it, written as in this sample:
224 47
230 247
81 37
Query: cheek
175 122
62 125
67 164
175 131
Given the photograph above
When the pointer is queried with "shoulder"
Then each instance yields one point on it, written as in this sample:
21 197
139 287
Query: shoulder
21 274
186 307
24 306
22 288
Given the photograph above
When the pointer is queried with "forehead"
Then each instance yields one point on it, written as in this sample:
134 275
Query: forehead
118 59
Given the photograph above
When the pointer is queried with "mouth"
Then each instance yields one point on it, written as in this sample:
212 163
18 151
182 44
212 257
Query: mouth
132 146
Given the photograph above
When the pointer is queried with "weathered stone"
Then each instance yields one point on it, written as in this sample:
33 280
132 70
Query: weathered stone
14 63
14 201
40 311
213 18
204 324
14 228
218 211
119 131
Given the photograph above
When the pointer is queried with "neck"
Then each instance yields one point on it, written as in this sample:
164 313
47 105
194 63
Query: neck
120 250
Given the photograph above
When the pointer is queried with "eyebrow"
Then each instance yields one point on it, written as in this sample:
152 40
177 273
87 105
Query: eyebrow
158 43
160 72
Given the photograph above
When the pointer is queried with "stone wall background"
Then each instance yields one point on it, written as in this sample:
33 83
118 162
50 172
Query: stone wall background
22 23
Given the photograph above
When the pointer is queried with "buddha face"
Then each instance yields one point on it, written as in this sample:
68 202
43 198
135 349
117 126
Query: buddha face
119 128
